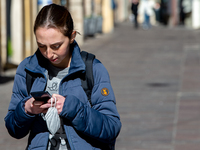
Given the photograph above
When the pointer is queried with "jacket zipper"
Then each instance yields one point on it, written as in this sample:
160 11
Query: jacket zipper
67 128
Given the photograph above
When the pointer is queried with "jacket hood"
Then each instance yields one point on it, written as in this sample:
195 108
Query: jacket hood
38 63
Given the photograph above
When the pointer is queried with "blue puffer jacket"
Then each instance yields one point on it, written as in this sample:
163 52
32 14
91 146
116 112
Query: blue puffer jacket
86 128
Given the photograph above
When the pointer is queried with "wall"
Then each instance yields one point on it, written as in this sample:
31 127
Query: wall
17 31
196 14
107 14
3 36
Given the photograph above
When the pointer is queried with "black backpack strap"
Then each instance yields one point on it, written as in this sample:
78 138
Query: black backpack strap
29 81
88 81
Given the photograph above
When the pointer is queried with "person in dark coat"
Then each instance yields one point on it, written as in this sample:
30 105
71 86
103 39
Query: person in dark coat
134 9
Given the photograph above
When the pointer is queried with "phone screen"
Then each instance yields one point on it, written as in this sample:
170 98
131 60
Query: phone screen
43 96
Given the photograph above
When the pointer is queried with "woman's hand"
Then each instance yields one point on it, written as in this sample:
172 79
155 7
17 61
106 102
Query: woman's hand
33 107
37 107
59 102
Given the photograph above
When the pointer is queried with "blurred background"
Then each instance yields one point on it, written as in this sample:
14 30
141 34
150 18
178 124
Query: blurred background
91 17
151 49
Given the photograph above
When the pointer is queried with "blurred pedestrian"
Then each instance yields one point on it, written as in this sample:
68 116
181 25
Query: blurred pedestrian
147 10
181 13
114 8
157 11
134 9
58 68
185 7
165 12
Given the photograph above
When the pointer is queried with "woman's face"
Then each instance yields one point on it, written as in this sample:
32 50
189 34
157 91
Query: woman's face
54 46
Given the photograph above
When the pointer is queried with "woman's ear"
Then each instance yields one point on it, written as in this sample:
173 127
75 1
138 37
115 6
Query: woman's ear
73 35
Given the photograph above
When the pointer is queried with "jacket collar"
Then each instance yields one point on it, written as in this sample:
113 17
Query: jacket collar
77 63
38 63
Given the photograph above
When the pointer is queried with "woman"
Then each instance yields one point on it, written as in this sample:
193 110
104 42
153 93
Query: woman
57 66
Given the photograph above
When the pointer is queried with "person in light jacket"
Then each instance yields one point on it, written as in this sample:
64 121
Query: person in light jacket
57 67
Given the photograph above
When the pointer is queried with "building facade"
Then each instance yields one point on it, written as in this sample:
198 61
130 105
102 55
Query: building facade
17 20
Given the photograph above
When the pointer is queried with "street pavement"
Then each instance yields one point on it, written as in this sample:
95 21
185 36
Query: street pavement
155 75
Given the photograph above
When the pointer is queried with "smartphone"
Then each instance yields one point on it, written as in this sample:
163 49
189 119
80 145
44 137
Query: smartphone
43 96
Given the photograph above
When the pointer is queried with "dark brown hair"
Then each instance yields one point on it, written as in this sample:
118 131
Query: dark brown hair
55 16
